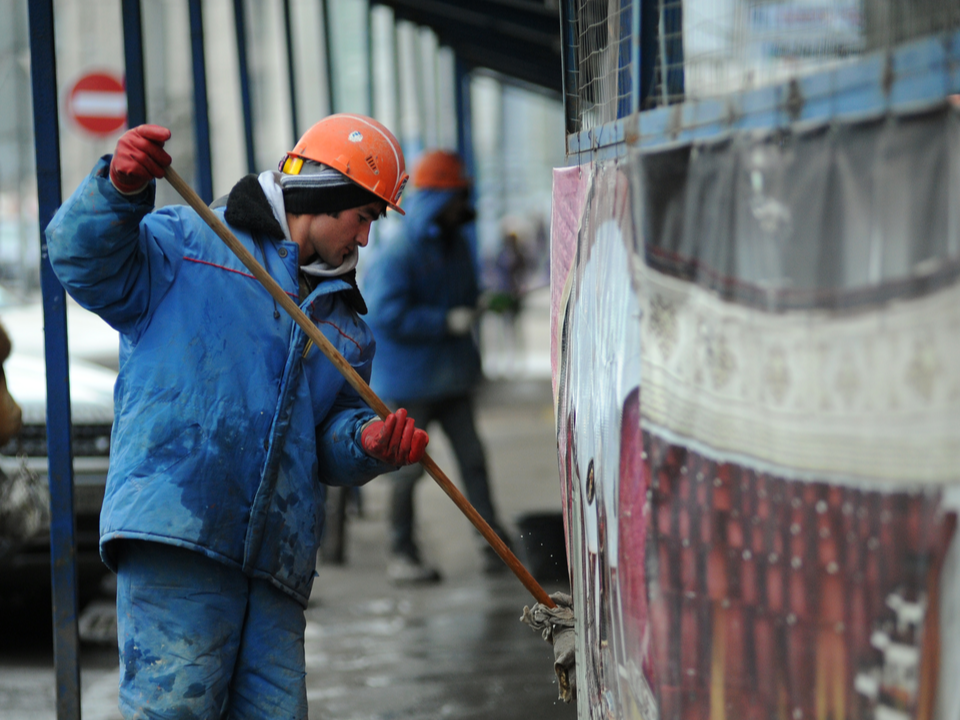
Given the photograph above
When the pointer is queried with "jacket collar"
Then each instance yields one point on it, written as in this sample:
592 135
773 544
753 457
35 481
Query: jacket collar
248 209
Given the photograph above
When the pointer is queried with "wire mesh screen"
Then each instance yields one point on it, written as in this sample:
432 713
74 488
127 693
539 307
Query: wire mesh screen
599 78
695 49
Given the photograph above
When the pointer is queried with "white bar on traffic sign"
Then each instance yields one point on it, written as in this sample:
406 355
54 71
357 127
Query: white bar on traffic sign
99 104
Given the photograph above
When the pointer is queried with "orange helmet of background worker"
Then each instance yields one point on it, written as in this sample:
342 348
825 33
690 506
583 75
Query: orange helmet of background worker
440 170
357 146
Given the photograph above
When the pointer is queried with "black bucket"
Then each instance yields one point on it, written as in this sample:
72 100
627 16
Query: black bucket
543 546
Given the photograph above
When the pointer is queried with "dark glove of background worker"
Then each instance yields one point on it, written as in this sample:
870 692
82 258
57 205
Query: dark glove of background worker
139 158
395 440
460 319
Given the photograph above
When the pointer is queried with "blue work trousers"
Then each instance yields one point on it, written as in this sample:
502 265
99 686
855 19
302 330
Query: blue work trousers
199 639
455 416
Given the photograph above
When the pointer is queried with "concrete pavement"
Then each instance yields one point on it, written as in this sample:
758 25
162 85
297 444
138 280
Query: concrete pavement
455 649
375 651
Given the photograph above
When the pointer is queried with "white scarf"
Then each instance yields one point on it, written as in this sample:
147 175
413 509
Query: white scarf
270 182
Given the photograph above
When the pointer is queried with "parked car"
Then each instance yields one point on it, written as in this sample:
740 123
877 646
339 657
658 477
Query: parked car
27 567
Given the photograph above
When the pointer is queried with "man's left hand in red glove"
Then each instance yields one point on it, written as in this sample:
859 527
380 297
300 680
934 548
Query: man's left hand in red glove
395 439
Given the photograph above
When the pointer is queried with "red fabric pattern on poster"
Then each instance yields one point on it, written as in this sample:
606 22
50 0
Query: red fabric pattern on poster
779 601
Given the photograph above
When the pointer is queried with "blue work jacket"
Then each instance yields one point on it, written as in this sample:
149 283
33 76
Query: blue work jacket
410 286
226 422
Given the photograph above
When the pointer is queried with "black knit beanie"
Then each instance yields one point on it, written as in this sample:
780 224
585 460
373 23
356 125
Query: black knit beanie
319 189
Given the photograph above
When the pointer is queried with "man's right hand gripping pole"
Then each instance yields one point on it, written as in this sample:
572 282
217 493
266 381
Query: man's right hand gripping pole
139 158
395 439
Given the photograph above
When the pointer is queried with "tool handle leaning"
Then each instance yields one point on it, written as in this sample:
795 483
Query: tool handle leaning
356 382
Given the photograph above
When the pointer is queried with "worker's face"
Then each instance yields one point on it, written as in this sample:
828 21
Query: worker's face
458 211
333 239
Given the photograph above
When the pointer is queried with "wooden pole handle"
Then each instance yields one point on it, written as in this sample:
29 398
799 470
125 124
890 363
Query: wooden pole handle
356 382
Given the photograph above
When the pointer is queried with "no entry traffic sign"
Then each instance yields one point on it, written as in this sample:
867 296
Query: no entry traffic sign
97 102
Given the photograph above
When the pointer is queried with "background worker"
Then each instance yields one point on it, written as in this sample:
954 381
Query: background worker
505 298
423 293
227 420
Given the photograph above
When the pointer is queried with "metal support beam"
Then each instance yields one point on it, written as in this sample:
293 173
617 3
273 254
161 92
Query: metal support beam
635 56
515 39
527 68
370 70
626 68
569 75
529 24
133 60
397 90
465 145
328 55
464 116
240 25
46 127
291 70
201 120
649 48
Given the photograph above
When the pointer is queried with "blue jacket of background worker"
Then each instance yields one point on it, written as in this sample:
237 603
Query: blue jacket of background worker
224 428
409 287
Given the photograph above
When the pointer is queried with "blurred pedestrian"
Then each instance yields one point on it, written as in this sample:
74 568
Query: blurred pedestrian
422 291
505 297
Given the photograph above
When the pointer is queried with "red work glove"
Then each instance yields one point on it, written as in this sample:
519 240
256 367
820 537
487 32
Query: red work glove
395 440
139 158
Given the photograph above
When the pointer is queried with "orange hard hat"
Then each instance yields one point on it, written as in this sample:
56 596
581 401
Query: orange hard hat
440 170
357 146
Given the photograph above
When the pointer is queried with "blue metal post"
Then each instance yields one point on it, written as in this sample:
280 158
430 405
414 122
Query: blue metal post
465 144
649 20
568 61
635 55
370 69
43 69
291 70
201 121
673 73
133 59
464 115
328 55
625 57
239 18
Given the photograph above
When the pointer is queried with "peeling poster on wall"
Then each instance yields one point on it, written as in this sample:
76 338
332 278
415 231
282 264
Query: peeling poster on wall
758 423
